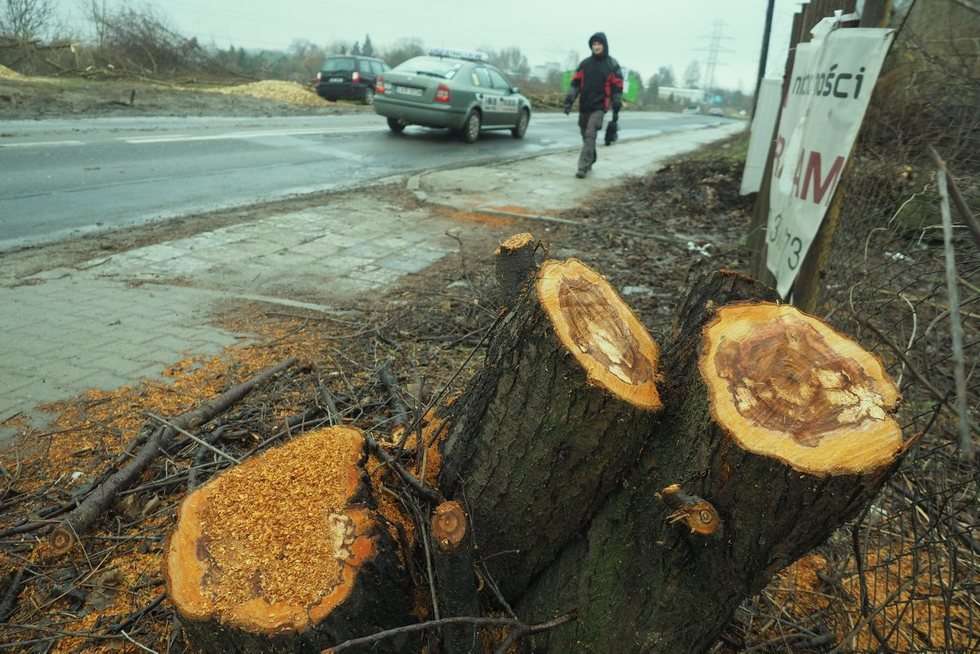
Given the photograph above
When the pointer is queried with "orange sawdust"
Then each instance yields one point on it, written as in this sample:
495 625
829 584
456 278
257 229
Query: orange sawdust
513 208
128 583
477 217
267 521
93 429
913 601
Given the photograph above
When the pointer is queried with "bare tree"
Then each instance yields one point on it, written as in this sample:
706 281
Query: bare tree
692 75
25 20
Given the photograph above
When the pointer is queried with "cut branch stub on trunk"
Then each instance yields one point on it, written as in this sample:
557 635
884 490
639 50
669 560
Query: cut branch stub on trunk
514 265
563 406
786 385
284 553
781 426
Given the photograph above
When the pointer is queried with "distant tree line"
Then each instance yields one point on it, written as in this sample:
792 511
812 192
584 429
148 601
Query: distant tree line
129 38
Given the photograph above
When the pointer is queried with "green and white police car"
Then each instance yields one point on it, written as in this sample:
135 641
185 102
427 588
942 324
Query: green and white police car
451 89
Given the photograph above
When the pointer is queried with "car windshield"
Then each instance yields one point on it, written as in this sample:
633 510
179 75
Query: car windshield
431 66
338 64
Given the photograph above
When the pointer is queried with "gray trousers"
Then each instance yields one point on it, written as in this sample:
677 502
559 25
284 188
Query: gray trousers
589 124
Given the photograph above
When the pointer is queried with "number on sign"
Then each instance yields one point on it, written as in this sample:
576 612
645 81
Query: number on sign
774 233
796 246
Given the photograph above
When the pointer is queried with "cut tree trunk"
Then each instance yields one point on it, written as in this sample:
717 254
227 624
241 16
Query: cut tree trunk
562 408
284 553
777 431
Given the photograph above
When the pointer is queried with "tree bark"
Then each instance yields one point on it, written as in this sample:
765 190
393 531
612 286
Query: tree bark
563 406
514 266
808 444
284 553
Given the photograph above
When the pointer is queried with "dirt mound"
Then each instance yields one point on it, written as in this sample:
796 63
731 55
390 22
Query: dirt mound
7 73
289 92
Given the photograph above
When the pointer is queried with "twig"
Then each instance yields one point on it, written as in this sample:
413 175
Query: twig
434 624
527 630
142 647
954 191
199 441
956 326
93 506
416 485
136 616
9 602
401 410
862 582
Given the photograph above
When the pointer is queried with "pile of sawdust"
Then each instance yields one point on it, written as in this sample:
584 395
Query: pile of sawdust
268 521
7 73
288 92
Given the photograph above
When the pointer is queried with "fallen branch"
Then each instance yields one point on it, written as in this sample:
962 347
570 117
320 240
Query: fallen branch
80 519
427 493
434 624
400 408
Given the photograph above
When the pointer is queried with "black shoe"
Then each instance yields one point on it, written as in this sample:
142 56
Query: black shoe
581 173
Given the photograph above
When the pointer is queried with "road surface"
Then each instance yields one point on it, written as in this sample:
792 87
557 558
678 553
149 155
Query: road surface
62 178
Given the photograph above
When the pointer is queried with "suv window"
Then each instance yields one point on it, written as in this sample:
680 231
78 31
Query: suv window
498 81
481 78
338 64
377 67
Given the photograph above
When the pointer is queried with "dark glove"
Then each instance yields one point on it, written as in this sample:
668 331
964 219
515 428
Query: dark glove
569 101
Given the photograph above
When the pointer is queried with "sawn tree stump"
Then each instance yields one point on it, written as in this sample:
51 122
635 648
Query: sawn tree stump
564 404
777 430
284 553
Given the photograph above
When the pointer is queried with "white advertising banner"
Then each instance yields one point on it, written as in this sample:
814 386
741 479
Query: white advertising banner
831 84
763 122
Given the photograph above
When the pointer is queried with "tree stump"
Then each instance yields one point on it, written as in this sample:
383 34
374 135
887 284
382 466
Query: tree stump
778 425
563 406
284 553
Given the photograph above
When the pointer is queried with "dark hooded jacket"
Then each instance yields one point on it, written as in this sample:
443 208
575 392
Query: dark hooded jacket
598 81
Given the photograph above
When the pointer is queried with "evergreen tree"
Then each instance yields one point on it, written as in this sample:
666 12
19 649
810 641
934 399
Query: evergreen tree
367 49
356 50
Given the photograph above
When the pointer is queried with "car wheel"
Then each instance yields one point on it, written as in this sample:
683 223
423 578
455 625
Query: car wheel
396 125
369 96
522 122
471 127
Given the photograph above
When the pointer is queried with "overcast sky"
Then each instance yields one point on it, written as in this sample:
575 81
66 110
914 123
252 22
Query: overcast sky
643 34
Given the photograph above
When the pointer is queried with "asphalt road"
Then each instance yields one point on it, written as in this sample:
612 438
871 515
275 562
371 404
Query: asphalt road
62 178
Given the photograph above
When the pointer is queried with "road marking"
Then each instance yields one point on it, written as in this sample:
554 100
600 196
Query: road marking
179 138
39 144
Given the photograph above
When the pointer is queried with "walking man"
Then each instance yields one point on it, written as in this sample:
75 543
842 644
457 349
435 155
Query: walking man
598 85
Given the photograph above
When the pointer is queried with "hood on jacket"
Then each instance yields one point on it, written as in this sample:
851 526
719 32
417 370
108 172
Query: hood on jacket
601 38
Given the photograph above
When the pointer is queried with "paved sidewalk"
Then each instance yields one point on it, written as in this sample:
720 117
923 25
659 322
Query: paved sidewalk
118 319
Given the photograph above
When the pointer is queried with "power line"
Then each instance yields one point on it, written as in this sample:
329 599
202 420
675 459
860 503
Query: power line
714 48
